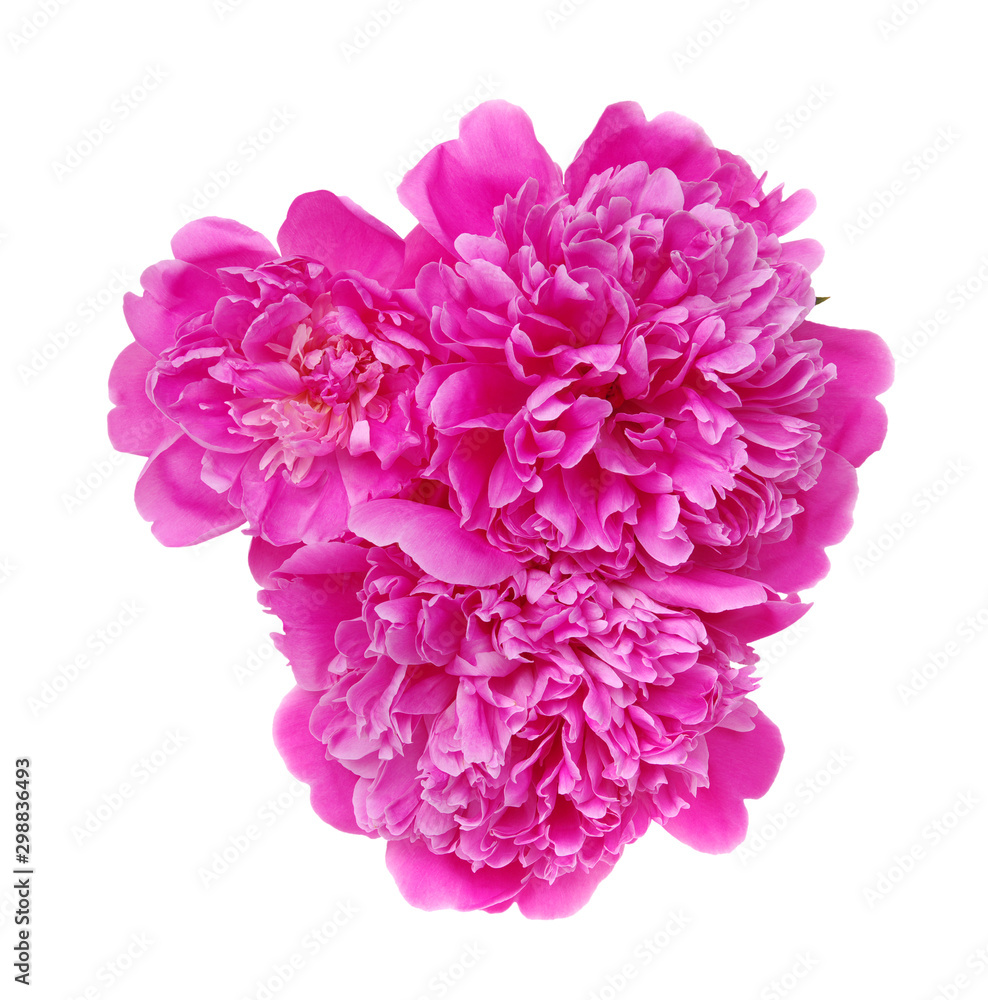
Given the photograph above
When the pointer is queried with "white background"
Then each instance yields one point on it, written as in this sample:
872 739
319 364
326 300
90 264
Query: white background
803 903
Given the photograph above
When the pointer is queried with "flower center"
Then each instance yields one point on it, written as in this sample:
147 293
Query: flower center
339 379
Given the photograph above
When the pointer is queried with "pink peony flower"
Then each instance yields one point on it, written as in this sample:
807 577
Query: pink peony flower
509 729
525 487
273 388
632 379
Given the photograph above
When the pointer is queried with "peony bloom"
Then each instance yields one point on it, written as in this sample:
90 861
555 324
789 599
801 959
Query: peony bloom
509 729
632 379
524 488
276 388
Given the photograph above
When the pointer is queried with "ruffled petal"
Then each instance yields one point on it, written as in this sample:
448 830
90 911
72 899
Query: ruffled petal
741 765
456 186
341 235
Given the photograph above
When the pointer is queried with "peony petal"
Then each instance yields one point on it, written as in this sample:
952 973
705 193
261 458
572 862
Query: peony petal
265 559
434 539
760 620
457 185
742 765
444 881
852 420
171 494
799 561
342 236
623 136
541 901
420 249
331 784
135 424
174 292
212 243
704 589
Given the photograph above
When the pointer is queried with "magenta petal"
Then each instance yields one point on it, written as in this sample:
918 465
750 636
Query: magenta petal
331 784
446 882
705 589
457 185
434 539
285 512
760 620
420 249
852 420
174 292
135 424
541 901
741 765
623 136
212 243
799 561
183 509
342 236
265 559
